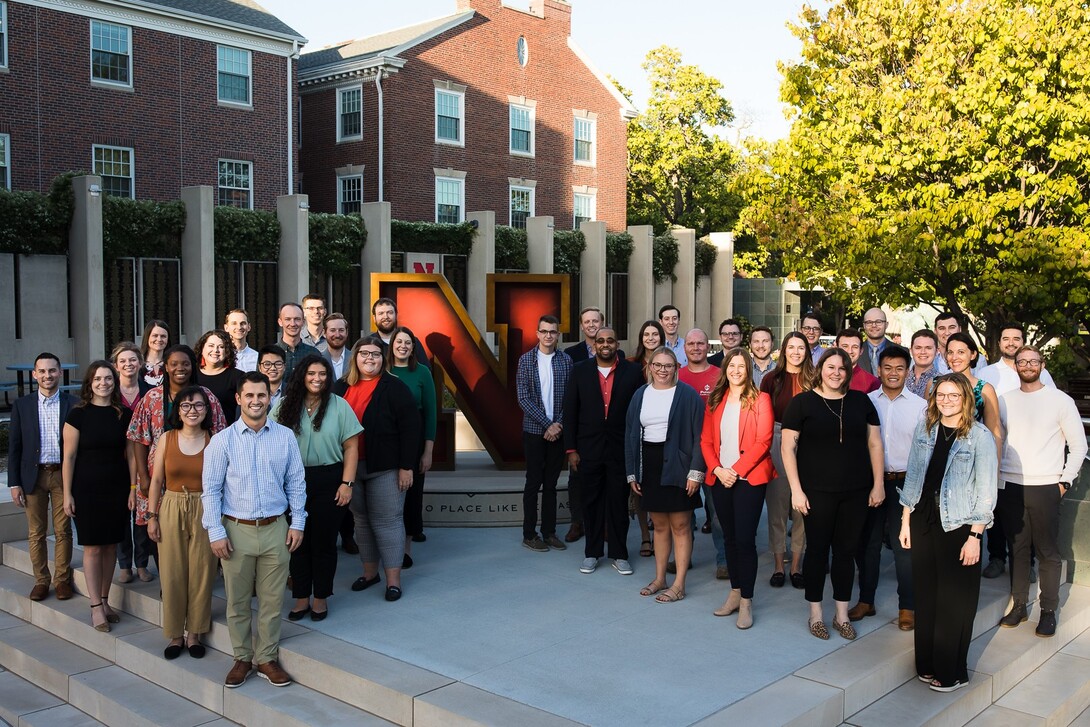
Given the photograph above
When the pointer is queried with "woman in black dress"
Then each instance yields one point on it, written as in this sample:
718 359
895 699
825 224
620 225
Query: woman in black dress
98 464
217 372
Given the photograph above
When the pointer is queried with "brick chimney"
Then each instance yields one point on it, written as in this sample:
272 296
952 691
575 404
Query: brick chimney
556 11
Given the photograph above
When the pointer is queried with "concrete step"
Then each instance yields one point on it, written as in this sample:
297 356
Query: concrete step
1057 691
45 659
20 698
63 716
118 697
913 703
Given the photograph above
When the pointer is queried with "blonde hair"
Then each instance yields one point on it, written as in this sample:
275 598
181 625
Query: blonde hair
673 357
968 403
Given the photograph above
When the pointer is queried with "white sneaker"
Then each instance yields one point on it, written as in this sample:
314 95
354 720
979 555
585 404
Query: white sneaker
623 566
589 565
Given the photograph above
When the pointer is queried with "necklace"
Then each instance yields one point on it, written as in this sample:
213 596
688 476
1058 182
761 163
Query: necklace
312 409
839 417
944 428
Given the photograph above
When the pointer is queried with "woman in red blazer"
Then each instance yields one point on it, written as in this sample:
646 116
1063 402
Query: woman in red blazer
736 441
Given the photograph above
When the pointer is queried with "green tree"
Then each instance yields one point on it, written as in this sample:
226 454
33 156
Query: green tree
940 154
679 169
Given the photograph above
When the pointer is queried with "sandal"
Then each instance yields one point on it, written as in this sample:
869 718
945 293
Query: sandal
817 628
646 551
111 615
937 686
845 629
104 626
670 596
926 678
652 588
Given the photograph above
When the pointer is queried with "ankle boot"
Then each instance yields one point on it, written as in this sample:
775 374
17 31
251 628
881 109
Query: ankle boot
731 604
745 613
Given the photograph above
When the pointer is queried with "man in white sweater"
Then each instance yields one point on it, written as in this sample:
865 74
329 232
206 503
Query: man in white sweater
1040 421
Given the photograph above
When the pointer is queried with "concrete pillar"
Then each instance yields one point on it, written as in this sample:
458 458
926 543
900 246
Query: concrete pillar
539 244
87 304
375 256
293 212
684 292
592 268
722 282
664 293
482 261
641 282
198 263
703 314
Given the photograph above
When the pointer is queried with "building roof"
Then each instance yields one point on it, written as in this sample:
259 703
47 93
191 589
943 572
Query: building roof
395 40
245 14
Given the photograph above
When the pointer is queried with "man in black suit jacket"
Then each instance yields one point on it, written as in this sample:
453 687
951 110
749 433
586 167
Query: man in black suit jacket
594 421
35 454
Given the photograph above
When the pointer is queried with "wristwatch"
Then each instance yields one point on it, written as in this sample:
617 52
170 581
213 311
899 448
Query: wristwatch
348 483
978 536
1066 486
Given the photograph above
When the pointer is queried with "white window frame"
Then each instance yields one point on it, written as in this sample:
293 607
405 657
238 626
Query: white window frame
531 111
249 191
341 179
132 165
592 124
5 162
249 102
91 55
592 199
341 136
511 189
3 34
461 96
457 178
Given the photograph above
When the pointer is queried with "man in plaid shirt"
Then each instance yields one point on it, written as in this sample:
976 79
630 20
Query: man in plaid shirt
541 382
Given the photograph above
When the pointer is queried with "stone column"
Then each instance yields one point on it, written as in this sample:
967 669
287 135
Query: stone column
684 291
293 212
87 304
592 268
482 261
641 281
198 263
723 278
539 244
703 314
375 257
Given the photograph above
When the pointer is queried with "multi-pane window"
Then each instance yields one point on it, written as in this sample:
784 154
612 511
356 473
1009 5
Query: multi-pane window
5 161
111 54
584 208
449 200
349 194
349 113
448 116
233 66
522 130
236 184
3 34
115 165
522 206
584 141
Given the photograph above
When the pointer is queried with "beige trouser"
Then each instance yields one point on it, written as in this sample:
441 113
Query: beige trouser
258 562
49 494
778 502
187 568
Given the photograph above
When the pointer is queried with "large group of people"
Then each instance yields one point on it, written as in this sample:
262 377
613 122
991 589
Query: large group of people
256 459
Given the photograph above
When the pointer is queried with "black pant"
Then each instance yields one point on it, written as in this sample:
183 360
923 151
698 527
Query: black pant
837 520
575 496
739 511
543 462
947 594
998 545
347 527
136 547
1032 518
314 563
605 507
413 515
884 525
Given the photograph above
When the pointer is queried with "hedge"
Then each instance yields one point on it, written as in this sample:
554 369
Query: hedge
433 237
37 224
568 247
132 228
246 235
619 247
335 242
664 257
706 254
511 249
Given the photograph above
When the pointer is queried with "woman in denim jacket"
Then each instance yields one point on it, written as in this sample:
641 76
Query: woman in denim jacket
948 497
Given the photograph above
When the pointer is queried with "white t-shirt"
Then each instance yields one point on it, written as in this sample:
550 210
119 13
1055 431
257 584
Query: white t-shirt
545 376
655 413
728 433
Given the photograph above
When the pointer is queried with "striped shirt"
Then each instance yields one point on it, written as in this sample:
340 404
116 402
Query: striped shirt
252 475
49 428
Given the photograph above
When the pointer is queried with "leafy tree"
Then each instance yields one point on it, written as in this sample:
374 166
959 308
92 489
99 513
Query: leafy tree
940 154
679 170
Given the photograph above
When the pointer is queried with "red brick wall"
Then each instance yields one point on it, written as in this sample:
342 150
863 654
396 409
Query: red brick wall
479 54
170 116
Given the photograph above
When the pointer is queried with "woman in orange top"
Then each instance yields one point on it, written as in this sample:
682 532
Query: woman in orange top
736 441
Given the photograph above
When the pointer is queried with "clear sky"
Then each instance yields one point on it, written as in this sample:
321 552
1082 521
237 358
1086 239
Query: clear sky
737 42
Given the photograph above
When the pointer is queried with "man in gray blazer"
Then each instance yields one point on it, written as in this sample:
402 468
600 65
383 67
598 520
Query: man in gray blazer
874 327
34 474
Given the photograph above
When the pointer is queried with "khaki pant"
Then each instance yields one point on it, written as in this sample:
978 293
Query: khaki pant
49 494
187 568
778 503
258 562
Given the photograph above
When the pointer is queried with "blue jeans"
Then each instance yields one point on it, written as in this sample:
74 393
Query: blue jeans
884 525
717 529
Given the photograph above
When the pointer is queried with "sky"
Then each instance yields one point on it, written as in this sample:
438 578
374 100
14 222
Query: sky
737 42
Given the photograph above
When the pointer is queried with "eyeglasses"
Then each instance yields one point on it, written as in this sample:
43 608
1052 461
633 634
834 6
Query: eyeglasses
188 406
369 354
663 366
873 323
545 332
947 397
730 334
272 364
812 329
1028 363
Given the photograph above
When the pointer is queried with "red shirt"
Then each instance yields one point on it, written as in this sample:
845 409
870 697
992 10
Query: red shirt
862 381
703 382
358 397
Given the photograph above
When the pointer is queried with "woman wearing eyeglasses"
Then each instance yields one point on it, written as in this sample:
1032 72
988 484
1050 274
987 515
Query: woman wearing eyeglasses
651 337
962 355
665 466
948 496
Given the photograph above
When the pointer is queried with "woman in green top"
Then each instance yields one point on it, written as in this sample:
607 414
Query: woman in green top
327 430
401 361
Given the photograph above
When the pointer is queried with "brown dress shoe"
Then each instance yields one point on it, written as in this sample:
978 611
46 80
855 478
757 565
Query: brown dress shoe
906 620
272 671
238 674
860 611
64 590
574 532
39 592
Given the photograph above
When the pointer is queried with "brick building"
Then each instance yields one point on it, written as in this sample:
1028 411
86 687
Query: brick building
490 108
154 95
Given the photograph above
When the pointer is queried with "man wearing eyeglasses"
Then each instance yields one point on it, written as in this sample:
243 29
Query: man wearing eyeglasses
874 328
1040 422
541 382
271 362
810 327
730 335
314 311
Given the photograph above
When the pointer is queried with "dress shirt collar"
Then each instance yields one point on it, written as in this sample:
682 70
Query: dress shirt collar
49 400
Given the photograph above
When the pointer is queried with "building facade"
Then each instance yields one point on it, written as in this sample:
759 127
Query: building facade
151 95
490 108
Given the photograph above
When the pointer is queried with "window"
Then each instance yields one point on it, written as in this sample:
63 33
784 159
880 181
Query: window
584 208
521 206
448 117
449 200
5 162
115 165
349 194
350 113
522 130
111 58
234 74
236 184
3 35
584 140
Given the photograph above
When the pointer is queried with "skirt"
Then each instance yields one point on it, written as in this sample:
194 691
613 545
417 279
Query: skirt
659 497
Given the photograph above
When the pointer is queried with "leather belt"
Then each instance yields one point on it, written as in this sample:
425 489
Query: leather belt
49 467
895 476
257 523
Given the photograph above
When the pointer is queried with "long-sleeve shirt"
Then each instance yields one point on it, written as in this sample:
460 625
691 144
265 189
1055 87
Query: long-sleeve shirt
252 475
528 388
1038 424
